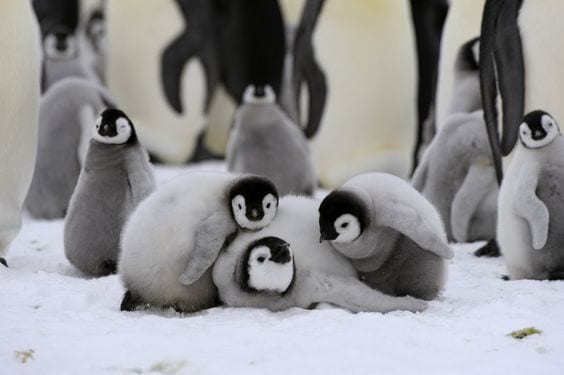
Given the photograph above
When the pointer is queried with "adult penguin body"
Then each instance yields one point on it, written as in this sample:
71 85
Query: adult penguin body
169 42
115 178
67 112
173 238
351 40
19 102
393 235
256 269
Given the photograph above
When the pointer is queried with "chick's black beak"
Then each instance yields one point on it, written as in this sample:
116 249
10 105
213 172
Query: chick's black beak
326 237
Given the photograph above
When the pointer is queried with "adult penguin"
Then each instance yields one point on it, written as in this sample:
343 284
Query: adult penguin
149 48
428 21
19 105
516 58
369 88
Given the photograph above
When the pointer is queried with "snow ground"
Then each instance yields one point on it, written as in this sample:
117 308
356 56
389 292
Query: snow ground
67 323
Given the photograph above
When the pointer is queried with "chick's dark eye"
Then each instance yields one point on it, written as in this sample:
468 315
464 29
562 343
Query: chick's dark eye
239 206
268 205
344 225
261 259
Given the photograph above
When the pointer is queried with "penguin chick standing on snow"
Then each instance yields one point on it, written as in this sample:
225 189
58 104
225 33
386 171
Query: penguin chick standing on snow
531 202
266 142
67 113
261 269
393 235
172 240
115 178
456 173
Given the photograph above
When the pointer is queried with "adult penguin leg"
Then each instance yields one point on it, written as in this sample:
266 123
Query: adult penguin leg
490 250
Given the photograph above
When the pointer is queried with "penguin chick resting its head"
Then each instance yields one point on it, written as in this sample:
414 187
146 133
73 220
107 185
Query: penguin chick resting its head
114 127
538 129
268 266
254 202
342 217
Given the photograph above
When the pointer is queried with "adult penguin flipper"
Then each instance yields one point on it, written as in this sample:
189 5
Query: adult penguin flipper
197 16
501 62
308 67
213 234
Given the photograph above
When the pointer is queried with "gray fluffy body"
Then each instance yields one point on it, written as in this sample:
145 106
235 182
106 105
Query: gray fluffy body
264 141
458 177
114 180
66 115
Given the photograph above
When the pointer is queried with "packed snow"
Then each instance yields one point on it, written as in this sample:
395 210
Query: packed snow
54 320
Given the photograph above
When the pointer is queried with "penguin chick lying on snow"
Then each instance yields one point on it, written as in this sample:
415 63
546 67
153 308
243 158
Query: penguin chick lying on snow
531 204
458 177
66 115
173 238
116 177
266 142
393 235
284 265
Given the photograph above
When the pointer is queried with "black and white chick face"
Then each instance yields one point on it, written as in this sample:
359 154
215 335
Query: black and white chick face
341 217
114 127
254 202
538 129
269 266
60 44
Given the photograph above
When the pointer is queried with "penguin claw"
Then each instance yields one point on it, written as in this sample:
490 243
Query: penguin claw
489 250
3 262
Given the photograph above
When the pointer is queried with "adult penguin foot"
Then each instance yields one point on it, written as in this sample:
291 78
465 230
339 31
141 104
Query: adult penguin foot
489 250
3 261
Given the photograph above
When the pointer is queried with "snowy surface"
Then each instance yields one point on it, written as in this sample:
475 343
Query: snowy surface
70 324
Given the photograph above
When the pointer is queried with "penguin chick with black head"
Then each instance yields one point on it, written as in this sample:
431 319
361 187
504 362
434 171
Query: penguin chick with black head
392 234
61 57
456 173
174 237
531 202
265 141
268 266
115 178
284 265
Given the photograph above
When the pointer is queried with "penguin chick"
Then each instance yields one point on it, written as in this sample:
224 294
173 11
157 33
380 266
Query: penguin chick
457 176
284 265
466 97
393 235
115 178
531 204
66 115
172 240
266 142
61 58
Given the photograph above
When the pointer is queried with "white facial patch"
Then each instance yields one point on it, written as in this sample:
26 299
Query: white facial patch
250 98
123 129
52 52
348 228
265 275
269 206
476 52
549 126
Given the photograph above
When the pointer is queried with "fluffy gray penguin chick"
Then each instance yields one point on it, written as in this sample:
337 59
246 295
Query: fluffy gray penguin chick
456 173
266 142
173 238
531 204
284 266
115 178
66 115
392 234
